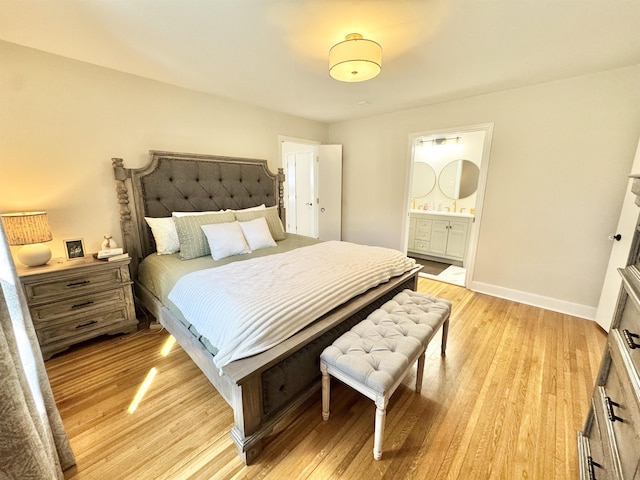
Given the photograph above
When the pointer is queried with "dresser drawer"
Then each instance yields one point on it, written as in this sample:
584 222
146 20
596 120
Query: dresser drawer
44 289
629 330
599 459
622 416
44 313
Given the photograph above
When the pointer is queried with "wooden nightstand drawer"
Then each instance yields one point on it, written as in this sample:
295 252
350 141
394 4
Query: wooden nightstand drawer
72 284
42 314
63 333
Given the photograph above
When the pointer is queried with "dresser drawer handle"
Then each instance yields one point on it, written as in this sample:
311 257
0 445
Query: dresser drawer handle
87 324
628 336
612 416
84 304
76 284
592 473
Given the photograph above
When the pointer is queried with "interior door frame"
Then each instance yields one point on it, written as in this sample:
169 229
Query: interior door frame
482 184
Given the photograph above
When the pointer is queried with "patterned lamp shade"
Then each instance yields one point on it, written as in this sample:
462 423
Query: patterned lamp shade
29 229
26 228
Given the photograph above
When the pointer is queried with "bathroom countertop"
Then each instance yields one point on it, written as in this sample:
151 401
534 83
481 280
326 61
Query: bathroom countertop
444 213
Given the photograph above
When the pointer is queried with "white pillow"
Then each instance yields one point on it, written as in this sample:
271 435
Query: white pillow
257 233
225 239
165 234
250 209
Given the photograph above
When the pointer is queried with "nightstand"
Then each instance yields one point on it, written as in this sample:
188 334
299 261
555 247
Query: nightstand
73 301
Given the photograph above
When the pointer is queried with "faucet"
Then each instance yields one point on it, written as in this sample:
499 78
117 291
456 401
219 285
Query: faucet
454 205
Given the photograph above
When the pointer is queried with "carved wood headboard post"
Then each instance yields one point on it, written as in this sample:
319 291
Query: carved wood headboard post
127 226
281 208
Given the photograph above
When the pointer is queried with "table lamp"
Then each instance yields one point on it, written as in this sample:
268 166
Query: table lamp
29 229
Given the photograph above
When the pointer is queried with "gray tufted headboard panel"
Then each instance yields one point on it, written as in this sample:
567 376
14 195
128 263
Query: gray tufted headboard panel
181 182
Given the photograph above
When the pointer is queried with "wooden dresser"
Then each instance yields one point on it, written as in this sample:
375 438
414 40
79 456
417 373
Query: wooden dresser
73 301
609 445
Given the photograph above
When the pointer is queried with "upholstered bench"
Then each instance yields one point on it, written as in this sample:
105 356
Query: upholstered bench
377 353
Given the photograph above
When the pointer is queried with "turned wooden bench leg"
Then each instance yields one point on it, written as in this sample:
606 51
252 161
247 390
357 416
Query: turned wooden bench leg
326 391
445 334
378 431
420 372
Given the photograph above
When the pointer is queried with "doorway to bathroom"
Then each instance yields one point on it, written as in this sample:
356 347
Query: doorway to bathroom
446 185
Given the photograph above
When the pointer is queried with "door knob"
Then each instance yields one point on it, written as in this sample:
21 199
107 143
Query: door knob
616 236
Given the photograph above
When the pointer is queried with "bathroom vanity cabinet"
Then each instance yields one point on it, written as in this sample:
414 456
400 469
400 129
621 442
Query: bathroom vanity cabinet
439 234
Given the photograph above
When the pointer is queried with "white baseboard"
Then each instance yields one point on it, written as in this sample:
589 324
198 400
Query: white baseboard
547 303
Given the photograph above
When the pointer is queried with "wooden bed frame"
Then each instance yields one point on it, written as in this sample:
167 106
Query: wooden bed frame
264 388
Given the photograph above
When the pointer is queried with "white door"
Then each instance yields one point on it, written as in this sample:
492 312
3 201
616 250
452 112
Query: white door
301 194
330 192
313 189
619 253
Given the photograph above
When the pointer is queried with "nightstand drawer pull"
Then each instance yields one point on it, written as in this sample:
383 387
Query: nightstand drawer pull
84 304
629 338
76 284
610 404
92 322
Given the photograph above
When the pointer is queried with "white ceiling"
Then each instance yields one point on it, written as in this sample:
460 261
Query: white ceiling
273 53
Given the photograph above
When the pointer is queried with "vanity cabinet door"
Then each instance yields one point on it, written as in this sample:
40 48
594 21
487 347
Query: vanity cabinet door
439 235
457 241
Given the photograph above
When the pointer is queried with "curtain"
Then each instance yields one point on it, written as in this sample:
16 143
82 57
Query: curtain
33 442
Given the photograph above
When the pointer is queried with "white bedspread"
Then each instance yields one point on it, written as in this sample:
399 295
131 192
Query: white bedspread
247 307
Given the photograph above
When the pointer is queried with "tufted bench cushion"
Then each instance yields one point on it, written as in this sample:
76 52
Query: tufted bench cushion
377 353
378 350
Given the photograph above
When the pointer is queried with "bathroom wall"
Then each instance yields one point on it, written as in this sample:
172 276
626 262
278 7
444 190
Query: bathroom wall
438 156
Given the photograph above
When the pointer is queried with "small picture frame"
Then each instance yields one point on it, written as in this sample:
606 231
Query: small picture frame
74 249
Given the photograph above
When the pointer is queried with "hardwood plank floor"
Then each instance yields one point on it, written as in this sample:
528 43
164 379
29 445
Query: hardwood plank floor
504 403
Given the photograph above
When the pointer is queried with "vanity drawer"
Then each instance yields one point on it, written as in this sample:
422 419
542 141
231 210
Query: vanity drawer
423 228
44 313
421 246
622 415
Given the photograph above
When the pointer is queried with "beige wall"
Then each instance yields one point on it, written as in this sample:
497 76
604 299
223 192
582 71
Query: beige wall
560 155
61 122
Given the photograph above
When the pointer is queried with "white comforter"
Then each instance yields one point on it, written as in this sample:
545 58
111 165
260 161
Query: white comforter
247 307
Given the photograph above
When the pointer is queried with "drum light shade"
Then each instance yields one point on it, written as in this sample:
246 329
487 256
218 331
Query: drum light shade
355 59
29 229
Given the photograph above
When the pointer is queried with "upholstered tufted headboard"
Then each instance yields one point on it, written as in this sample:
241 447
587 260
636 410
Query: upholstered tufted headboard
188 183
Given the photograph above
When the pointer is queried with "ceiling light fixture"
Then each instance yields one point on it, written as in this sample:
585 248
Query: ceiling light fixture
355 59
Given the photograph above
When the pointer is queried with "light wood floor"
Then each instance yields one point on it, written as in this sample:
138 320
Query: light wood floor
504 403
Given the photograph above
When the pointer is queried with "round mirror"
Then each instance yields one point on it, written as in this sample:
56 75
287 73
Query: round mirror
459 179
424 179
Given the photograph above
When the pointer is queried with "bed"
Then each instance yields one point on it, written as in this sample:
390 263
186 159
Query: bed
262 389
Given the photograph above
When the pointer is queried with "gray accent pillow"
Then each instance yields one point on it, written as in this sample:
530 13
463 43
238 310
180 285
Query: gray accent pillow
271 216
193 242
